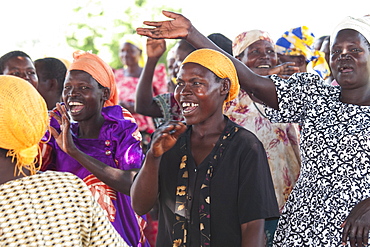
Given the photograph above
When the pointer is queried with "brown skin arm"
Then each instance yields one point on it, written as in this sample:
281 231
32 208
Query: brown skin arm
357 225
129 105
144 190
118 179
253 233
145 104
180 27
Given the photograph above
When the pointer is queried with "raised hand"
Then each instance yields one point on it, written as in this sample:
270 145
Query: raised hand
357 225
284 70
166 137
64 138
177 28
155 47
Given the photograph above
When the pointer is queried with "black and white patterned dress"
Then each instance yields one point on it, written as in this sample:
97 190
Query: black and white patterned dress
335 172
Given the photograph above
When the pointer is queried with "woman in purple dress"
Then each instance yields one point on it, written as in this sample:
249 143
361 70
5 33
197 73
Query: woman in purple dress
102 144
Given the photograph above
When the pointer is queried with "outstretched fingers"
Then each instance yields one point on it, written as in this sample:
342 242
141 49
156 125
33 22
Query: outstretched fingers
170 14
149 32
153 23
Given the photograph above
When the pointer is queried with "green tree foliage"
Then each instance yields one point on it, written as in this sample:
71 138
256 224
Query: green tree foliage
104 23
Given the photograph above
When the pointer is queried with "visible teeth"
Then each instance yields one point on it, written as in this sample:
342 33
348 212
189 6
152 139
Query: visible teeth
264 66
186 104
75 103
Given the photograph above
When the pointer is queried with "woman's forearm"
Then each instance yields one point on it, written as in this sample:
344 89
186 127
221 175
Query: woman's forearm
119 180
144 190
261 87
144 103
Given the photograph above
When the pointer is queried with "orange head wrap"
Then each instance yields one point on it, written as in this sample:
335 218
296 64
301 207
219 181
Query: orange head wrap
22 125
99 70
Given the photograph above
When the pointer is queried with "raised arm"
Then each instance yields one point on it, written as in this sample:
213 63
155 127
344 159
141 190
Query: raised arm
145 104
180 27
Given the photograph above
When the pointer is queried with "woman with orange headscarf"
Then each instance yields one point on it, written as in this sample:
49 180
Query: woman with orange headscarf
101 145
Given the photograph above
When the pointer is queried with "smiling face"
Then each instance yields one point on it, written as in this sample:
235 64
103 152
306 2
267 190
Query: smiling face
129 54
350 60
199 93
83 96
21 67
259 56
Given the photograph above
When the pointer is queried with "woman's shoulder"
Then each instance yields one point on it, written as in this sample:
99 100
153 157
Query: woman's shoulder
118 114
308 83
119 120
240 133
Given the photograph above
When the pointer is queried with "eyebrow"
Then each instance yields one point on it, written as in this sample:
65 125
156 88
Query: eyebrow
17 68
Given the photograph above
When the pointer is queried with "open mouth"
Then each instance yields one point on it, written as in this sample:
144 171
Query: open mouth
188 107
75 107
345 69
263 66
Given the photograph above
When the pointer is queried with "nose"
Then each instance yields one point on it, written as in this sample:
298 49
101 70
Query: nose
343 56
72 91
264 54
24 76
185 90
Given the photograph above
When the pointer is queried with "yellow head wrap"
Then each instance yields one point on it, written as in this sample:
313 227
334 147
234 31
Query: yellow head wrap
136 40
219 64
299 41
99 70
23 121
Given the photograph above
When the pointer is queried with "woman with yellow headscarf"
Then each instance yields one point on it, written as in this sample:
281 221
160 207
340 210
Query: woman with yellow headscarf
36 207
131 53
211 176
330 203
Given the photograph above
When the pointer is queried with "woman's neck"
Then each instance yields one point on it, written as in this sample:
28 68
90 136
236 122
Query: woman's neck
90 129
7 168
209 128
133 71
356 97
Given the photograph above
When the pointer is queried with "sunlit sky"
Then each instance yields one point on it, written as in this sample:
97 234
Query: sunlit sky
38 27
